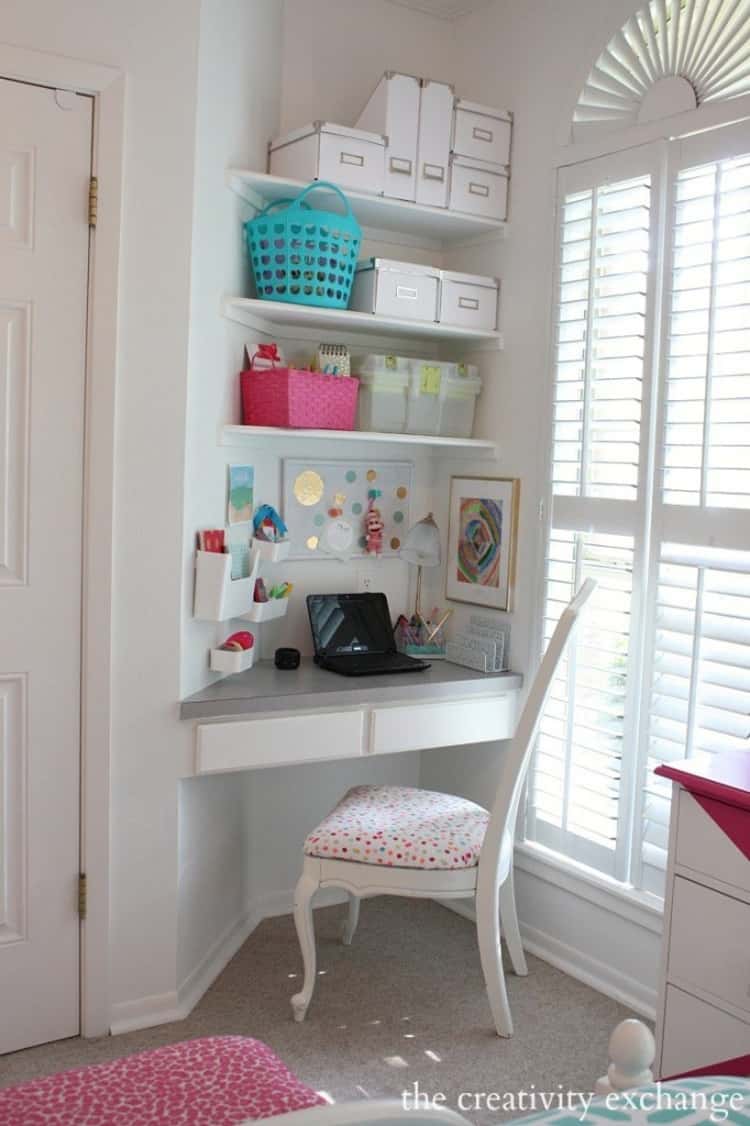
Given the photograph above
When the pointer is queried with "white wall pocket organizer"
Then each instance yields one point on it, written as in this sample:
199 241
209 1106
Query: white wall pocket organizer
478 187
467 299
271 552
351 158
217 596
396 289
435 125
231 661
393 110
482 132
267 611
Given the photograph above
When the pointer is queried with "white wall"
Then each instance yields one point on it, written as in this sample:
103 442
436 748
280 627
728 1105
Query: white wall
335 52
237 111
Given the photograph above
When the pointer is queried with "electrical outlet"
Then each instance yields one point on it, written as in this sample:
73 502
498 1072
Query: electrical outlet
365 581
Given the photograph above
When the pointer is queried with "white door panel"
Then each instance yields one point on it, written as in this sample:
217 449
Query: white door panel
45 161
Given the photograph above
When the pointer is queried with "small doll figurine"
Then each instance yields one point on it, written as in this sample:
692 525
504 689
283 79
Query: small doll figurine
374 525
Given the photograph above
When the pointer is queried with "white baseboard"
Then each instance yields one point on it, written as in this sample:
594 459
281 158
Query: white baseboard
598 975
166 1008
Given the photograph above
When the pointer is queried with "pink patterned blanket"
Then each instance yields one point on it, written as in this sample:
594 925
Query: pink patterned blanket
215 1081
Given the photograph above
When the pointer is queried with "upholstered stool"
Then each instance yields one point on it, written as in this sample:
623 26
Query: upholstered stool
214 1081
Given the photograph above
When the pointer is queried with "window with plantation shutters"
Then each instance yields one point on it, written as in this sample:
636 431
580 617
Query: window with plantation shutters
649 494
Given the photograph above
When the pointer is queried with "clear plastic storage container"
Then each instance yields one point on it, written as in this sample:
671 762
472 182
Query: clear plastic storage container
424 406
383 393
460 386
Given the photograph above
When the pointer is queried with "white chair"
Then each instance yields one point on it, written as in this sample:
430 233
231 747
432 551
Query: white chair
395 840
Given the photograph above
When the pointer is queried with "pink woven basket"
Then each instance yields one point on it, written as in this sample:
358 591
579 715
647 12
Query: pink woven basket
304 400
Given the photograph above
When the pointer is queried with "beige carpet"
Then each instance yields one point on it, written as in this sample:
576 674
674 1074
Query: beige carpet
404 1003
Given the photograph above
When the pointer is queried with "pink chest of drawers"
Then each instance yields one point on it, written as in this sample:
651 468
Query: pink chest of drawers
703 1016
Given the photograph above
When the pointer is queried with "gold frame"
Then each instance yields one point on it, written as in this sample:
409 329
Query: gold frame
515 502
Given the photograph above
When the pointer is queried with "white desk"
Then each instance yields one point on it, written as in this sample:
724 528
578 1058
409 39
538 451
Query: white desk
266 717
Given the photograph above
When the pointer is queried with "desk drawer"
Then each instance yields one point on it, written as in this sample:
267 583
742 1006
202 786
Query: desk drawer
704 847
444 724
709 945
698 1035
279 741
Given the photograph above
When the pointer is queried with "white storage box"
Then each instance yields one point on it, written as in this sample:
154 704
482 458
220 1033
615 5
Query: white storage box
393 110
479 188
351 158
396 289
435 127
468 300
424 404
383 393
481 132
458 394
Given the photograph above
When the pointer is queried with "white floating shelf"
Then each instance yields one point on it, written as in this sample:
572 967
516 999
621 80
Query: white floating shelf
375 212
240 435
267 316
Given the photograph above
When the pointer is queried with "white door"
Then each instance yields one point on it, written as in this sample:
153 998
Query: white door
45 162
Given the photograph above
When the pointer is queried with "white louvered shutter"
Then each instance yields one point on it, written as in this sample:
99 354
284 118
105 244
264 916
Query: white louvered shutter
707 433
604 311
700 695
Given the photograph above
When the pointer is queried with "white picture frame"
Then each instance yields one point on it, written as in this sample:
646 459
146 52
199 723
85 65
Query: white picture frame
482 535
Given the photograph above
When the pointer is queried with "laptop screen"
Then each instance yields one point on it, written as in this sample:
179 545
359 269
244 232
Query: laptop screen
345 624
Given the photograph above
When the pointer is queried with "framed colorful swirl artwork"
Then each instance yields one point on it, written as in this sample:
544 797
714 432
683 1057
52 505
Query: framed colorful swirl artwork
482 541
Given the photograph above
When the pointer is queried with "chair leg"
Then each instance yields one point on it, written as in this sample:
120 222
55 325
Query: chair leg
509 921
488 937
303 920
352 919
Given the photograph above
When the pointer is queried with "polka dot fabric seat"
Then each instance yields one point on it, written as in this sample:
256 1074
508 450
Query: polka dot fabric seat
401 827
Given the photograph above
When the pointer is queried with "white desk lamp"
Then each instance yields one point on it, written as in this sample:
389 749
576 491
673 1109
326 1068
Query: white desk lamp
422 549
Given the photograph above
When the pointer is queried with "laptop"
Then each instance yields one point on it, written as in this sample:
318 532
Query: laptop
353 636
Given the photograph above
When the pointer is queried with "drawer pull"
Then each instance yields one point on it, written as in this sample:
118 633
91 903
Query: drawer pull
401 164
482 134
433 172
478 189
468 303
406 292
351 158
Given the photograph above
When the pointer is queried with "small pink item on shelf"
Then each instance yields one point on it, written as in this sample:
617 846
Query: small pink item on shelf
259 594
374 525
294 399
241 640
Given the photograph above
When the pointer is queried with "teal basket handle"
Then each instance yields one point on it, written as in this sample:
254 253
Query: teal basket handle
299 201
275 203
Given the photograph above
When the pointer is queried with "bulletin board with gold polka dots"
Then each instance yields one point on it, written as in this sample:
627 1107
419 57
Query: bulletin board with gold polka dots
325 504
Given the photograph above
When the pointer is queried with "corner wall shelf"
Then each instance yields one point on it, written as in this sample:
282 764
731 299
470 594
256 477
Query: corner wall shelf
269 316
373 211
481 447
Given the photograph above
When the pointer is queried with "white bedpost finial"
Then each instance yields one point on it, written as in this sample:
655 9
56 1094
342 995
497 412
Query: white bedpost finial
632 1049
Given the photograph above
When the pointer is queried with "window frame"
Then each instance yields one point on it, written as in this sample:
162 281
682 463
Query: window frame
649 521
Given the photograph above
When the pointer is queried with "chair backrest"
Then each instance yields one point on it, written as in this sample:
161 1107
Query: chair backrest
515 761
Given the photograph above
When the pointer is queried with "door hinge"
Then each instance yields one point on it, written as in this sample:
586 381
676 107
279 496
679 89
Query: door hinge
82 896
93 199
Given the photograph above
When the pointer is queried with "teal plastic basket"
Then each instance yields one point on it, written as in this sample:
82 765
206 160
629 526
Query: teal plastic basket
304 255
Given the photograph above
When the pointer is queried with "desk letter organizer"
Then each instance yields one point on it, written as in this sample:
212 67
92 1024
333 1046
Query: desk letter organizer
482 646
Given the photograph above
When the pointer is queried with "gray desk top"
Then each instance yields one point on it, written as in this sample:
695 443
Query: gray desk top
265 688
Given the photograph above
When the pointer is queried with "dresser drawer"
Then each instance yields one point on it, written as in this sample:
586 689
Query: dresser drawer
709 946
698 1035
279 741
448 724
704 847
